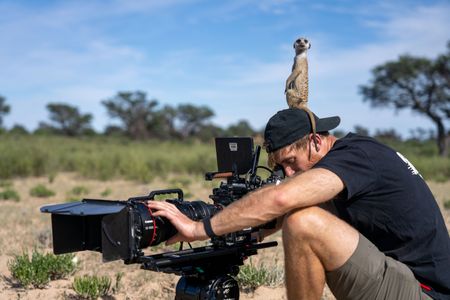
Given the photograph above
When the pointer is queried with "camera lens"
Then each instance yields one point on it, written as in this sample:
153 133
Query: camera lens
151 231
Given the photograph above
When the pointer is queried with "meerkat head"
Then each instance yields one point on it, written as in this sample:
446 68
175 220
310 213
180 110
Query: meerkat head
301 45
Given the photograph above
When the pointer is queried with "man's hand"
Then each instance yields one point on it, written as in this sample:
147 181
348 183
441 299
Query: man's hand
188 230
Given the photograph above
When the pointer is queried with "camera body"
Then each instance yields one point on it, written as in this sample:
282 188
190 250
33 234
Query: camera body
117 229
121 229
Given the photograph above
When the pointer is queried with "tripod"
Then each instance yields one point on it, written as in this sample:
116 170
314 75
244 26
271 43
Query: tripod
207 272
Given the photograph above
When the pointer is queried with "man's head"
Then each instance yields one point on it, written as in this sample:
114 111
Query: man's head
290 141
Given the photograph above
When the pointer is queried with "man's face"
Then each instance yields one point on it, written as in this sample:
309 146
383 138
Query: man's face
297 160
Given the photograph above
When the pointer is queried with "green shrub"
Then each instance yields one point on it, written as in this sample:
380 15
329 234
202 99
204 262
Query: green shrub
250 277
180 182
118 284
106 192
41 268
447 204
72 199
92 287
79 191
41 191
9 194
51 177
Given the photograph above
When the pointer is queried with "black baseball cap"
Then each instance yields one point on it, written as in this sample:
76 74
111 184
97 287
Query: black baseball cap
290 125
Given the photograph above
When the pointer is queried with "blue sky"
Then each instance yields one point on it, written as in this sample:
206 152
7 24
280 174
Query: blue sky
233 56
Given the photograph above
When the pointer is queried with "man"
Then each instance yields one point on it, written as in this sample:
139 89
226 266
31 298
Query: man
386 238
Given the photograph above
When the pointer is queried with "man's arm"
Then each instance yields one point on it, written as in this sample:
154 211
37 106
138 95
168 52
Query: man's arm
261 206
307 189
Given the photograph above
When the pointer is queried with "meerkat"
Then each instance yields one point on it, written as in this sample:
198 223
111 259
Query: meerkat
296 89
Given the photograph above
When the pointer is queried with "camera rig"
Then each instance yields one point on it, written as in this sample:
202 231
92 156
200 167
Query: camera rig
121 229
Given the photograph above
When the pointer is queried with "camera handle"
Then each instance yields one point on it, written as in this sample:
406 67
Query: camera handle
179 192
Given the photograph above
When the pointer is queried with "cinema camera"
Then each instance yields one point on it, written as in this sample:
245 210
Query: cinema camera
121 229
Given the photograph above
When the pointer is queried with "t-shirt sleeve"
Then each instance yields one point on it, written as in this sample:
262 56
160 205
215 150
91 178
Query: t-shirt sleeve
353 167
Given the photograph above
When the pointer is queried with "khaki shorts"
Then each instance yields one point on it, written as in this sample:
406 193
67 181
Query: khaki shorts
369 274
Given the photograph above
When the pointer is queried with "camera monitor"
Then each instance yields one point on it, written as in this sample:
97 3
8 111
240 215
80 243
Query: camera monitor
234 153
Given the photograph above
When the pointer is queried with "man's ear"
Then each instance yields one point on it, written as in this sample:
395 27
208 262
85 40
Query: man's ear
317 143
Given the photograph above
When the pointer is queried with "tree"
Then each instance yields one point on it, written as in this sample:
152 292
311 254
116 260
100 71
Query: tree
113 130
420 84
208 132
241 128
4 109
388 134
18 129
361 130
192 118
134 111
163 125
67 120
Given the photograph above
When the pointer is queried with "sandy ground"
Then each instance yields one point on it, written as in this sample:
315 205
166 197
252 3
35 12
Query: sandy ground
23 227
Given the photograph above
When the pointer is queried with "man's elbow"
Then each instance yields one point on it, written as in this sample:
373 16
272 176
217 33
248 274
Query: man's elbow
281 200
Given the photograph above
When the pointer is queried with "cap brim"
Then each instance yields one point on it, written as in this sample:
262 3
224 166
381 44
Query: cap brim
326 124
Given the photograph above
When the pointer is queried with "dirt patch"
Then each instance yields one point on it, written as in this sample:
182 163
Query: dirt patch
23 227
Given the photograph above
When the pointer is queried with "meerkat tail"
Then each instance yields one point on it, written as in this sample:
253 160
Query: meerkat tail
313 124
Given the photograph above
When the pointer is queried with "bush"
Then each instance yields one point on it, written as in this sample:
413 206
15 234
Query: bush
447 204
9 194
41 191
250 277
106 192
41 268
79 191
92 287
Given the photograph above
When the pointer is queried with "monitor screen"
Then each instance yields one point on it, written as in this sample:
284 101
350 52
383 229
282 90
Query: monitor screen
236 151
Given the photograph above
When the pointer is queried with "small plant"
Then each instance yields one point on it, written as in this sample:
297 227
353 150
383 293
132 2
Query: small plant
72 199
92 287
44 238
250 277
180 181
9 194
51 177
106 192
41 191
118 284
41 268
79 191
447 204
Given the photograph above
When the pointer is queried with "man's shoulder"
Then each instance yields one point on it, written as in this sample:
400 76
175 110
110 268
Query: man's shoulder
357 139
363 143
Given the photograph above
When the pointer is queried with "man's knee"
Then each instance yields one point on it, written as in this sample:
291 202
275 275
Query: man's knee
305 223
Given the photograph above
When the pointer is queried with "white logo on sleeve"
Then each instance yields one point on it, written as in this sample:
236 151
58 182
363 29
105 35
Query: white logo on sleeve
410 165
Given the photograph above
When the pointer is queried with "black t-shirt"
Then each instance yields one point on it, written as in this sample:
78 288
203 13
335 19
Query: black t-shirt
386 199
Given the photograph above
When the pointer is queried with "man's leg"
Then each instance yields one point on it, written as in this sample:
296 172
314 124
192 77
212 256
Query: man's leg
315 241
